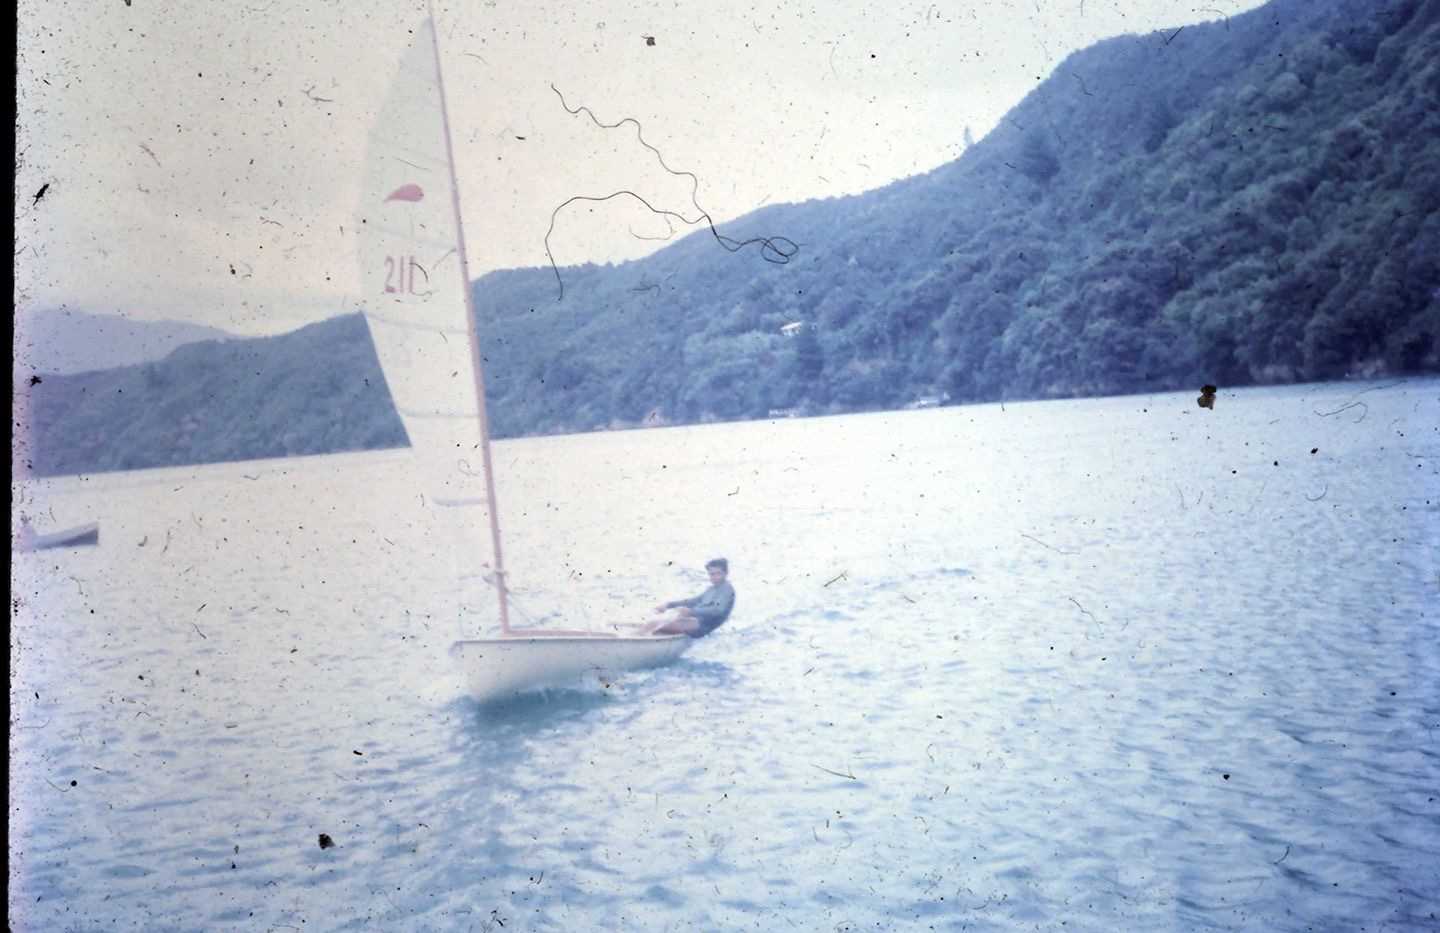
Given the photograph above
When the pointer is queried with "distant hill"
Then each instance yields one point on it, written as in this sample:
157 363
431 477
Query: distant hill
64 340
315 390
1249 200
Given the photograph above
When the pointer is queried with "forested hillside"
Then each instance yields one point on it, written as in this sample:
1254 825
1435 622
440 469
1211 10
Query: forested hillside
315 390
1250 200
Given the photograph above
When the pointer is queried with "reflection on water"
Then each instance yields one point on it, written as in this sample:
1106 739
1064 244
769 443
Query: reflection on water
519 715
1117 663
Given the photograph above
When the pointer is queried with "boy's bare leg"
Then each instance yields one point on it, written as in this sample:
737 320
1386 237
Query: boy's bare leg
664 617
683 625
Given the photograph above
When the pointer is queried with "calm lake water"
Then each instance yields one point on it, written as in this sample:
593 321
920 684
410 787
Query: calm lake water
1119 664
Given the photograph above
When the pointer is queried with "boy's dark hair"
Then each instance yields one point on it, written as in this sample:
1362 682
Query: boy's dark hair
720 562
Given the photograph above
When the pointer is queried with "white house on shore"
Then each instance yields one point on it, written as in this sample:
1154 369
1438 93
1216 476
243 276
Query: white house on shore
929 401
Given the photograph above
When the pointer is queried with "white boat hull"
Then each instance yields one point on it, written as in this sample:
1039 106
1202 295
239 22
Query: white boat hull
496 668
79 536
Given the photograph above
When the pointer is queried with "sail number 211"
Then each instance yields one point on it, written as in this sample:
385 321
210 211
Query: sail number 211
400 275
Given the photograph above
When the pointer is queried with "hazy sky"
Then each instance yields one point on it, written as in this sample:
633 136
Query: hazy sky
179 140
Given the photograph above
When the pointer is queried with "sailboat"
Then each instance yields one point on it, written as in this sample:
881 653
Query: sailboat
419 309
28 539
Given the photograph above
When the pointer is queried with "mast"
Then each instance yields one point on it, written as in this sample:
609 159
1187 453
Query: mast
472 329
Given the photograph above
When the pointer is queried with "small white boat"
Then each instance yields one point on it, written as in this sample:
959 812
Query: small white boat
420 312
499 667
80 536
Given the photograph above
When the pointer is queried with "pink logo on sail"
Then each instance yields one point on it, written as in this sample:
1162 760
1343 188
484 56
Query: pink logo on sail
410 192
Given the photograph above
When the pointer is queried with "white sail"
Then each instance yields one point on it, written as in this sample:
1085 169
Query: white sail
413 283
